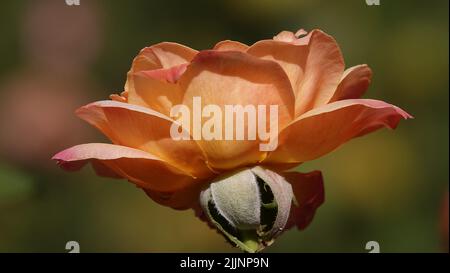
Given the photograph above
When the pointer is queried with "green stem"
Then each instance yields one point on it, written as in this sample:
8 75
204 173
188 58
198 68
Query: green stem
250 239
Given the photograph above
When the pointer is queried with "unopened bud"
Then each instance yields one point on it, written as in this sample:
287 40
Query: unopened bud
249 207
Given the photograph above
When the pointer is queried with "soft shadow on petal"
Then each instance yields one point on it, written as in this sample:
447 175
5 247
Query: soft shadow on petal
145 129
236 79
292 58
354 83
157 89
323 129
182 199
314 65
309 195
143 169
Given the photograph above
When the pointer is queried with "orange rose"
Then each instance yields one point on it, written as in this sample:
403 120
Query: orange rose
319 108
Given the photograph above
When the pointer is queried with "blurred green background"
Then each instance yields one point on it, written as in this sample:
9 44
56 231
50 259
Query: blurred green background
388 187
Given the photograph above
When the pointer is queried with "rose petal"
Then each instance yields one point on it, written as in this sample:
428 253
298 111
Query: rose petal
309 195
354 83
141 168
234 78
116 97
314 65
185 198
156 89
285 36
290 37
142 128
228 45
323 129
162 56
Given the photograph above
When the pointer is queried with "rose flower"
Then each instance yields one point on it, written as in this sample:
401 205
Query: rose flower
246 193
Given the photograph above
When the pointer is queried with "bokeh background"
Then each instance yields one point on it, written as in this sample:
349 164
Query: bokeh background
389 186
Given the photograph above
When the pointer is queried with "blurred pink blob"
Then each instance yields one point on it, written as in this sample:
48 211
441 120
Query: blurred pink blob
36 111
61 38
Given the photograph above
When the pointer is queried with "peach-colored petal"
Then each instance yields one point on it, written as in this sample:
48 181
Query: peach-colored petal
235 78
323 129
314 65
309 195
228 45
124 94
143 169
182 199
170 75
294 38
145 129
161 56
300 32
157 89
290 57
116 97
285 36
354 83
103 170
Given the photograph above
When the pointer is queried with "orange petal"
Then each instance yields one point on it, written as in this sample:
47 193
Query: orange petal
160 56
314 65
143 169
156 89
182 199
145 129
354 83
116 97
228 45
323 129
290 37
235 78
309 195
285 36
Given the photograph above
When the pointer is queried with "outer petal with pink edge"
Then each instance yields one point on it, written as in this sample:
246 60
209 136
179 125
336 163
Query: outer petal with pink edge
323 129
142 128
143 169
161 56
